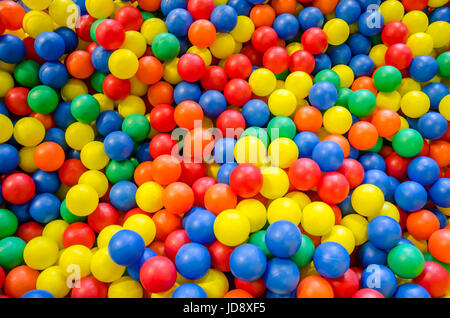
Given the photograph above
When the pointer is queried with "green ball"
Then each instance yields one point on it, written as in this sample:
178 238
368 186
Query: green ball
305 254
431 258
343 96
67 216
8 223
444 64
165 46
136 126
120 171
147 15
283 75
11 252
281 126
377 146
94 28
387 79
43 99
85 108
406 261
97 81
362 103
259 239
257 132
407 142
328 76
26 73
376 39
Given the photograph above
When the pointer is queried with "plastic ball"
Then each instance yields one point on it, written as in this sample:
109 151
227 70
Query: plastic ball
193 261
384 232
231 228
82 199
323 95
335 251
329 155
361 197
248 262
439 192
290 276
12 49
151 274
317 218
283 238
189 290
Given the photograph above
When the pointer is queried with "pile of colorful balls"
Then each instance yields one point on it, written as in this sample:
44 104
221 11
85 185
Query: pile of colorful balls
225 148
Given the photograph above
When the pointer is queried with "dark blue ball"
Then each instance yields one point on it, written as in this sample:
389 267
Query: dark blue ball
50 46
392 185
122 195
371 23
63 115
12 49
323 95
441 217
108 121
348 10
44 208
331 260
411 196
213 103
369 4
306 141
143 152
323 62
9 158
118 145
346 206
432 125
99 58
248 262
380 278
340 54
193 261
134 269
58 136
371 161
286 25
178 21
440 192
436 92
169 5
126 247
378 178
21 211
423 170
310 17
281 276
200 226
224 18
440 14
384 232
359 44
70 39
186 91
362 65
242 7
368 254
53 74
423 68
256 113
38 293
46 182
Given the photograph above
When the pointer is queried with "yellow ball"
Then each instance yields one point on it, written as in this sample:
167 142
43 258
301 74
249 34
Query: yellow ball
255 212
231 227
389 100
82 199
284 209
29 131
55 230
26 159
166 294
104 101
250 149
407 85
125 287
337 120
392 10
337 31
440 32
282 102
342 235
444 107
415 104
420 44
73 89
275 182
100 9
367 199
131 105
135 42
294 47
317 218
345 74
214 283
151 28
105 235
93 156
358 225
64 12
7 129
416 21
137 87
204 53
123 63
103 267
170 74
377 54
262 82
300 198
40 252
35 22
78 135
54 281
223 46
243 30
436 3
212 170
388 209
237 47
299 83
446 211
283 152
97 180
76 260
143 225
9 69
422 245
149 197
37 4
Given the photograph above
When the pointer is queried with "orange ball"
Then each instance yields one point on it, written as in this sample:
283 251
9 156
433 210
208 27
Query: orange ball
439 245
160 93
337 214
166 169
198 144
341 141
387 122
440 152
238 293
364 82
45 119
49 156
422 224
150 70
308 118
178 198
166 223
158 247
363 135
143 173
325 6
149 5
219 198
202 33
188 114
262 14
79 64
12 13
284 6
19 281
315 287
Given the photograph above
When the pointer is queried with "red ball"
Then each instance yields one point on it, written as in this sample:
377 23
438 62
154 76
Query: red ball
333 187
238 66
304 174
276 59
200 186
18 188
158 274
368 293
133 212
394 32
302 61
215 78
399 55
254 56
220 256
397 166
110 34
130 17
83 27
89 287
314 40
162 144
231 123
91 47
256 288
192 171
200 9
263 38
71 171
237 92
78 233
29 230
2 277
174 241
2 28
161 118
16 100
104 215
434 278
191 67
115 88
246 180
411 5
30 50
346 285
353 171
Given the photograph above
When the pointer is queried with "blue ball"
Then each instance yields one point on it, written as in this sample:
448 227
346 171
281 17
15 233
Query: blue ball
169 5
109 121
411 290
9 158
53 74
242 7
380 278
46 182
331 260
432 125
193 261
359 44
224 150
328 155
12 49
70 39
82 5
2 200
188 214
323 95
366 4
323 62
362 65
73 154
411 196
440 14
436 92
118 145
354 153
143 152
423 170
283 238
281 276
200 226
346 206
371 161
58 136
368 254
256 113
63 115
371 23
184 45
126 247
100 58
440 192
122 195
135 269
286 25
248 262
378 178
44 208
186 91
50 46
3 109
441 217
21 211
224 18
38 293
311 17
178 21
213 103
423 68
189 290
348 10
390 192
340 54
270 294
223 175
384 232
306 141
